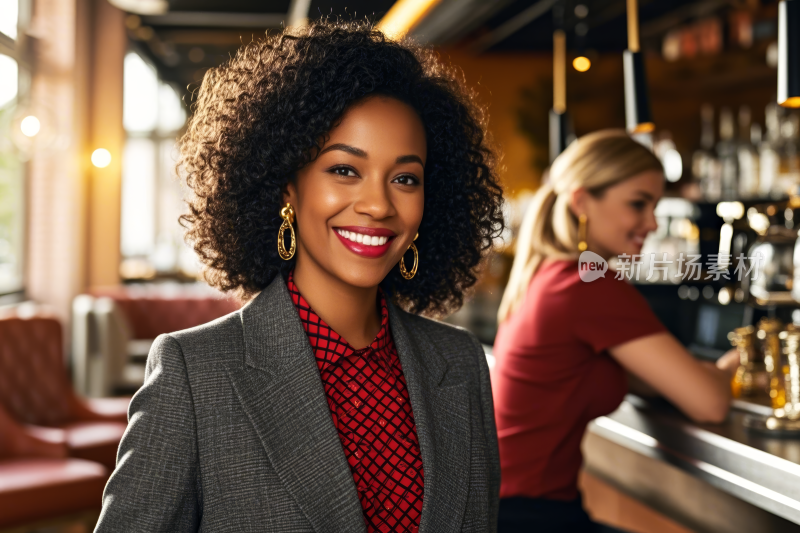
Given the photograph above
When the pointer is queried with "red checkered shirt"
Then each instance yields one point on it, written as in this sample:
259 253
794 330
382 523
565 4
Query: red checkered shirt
369 403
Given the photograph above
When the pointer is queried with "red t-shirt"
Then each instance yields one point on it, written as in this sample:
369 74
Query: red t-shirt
554 375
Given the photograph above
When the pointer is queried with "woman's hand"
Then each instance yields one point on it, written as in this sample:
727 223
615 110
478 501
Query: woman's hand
729 362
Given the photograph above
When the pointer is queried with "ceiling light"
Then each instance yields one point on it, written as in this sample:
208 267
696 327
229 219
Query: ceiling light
404 16
30 126
101 158
581 64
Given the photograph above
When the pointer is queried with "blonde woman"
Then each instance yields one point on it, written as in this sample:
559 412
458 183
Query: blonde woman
564 345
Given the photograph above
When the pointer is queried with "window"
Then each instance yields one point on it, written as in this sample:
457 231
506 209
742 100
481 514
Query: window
152 196
9 17
12 200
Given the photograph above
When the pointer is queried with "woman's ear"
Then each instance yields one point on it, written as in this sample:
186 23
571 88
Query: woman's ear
289 194
578 200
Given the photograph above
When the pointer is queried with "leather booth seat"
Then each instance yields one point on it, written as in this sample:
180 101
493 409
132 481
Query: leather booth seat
114 327
39 482
36 392
37 489
94 440
151 312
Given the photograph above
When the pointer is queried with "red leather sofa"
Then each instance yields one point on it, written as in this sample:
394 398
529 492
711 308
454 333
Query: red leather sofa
35 391
39 482
114 327
151 312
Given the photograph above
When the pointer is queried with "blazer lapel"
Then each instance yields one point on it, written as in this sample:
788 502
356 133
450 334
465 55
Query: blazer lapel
282 394
440 403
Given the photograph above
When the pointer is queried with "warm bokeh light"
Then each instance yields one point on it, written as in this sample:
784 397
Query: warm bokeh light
30 126
730 210
724 296
404 15
644 127
581 64
673 165
101 158
791 102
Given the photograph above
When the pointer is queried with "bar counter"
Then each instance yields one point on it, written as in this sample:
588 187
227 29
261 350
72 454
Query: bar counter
706 477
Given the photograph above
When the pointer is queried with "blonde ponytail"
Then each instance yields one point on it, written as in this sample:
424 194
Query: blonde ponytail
549 229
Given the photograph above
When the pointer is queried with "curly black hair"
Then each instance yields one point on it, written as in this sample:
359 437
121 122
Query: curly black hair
265 113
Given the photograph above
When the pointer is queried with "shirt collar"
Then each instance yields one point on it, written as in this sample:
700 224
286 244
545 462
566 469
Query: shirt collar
328 345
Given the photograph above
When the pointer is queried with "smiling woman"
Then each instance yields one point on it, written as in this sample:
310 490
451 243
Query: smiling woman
270 111
360 204
342 186
569 334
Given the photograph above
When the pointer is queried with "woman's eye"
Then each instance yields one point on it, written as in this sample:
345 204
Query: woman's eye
406 179
343 171
639 205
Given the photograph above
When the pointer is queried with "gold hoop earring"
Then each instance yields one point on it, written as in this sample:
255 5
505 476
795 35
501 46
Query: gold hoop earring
582 224
403 271
287 214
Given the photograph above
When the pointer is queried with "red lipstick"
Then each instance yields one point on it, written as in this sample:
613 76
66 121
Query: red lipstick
366 250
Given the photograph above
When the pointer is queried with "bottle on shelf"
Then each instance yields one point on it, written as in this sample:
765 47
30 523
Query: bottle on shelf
727 155
768 154
749 139
705 167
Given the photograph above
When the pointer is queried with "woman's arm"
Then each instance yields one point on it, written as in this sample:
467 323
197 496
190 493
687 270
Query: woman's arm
155 487
701 391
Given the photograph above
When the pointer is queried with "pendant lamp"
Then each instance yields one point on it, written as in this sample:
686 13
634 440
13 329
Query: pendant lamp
789 53
559 123
638 118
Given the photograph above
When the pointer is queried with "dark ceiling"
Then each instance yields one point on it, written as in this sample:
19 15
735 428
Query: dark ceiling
592 24
195 35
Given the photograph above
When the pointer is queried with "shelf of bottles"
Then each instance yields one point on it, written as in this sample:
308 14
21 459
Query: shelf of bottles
743 199
760 164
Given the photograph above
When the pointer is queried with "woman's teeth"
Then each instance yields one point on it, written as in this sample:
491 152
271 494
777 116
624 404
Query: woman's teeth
362 239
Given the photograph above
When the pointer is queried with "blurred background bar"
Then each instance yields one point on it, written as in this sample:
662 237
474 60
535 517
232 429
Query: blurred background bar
95 93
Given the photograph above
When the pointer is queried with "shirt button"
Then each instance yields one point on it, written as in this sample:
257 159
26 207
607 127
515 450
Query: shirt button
358 454
388 506
357 403
352 385
382 422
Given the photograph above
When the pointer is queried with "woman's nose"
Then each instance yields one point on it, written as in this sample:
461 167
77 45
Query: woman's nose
374 199
651 223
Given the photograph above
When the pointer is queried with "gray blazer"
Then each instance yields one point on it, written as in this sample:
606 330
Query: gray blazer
231 430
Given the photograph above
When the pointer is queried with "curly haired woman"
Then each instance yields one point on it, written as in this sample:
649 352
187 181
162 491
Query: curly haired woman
342 186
